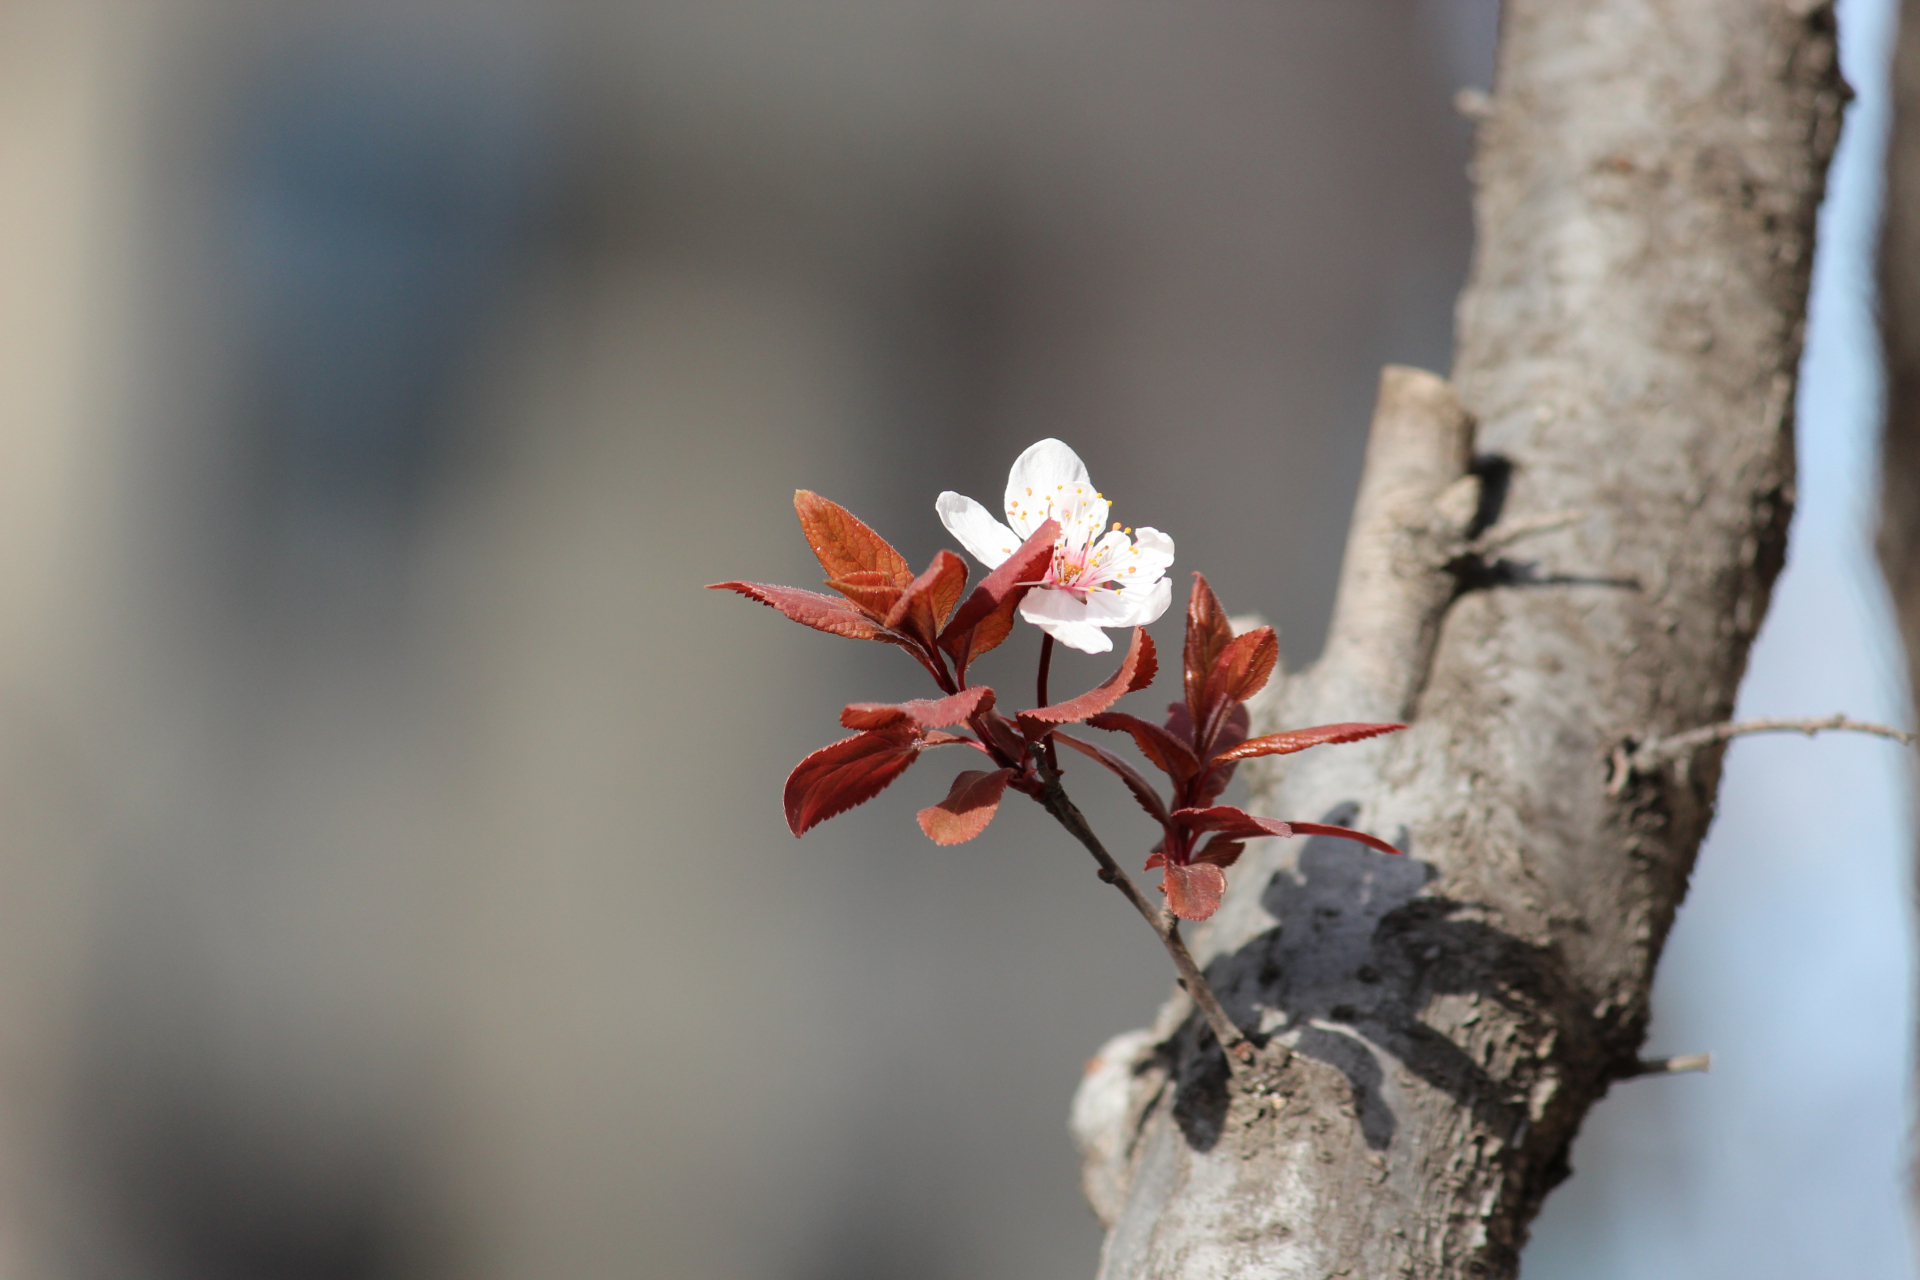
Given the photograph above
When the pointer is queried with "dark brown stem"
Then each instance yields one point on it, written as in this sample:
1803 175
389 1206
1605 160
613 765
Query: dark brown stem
1166 925
1047 751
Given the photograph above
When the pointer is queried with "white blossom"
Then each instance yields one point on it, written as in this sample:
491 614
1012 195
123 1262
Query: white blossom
1099 577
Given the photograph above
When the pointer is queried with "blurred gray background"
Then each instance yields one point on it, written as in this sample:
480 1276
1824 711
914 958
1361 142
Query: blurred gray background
394 877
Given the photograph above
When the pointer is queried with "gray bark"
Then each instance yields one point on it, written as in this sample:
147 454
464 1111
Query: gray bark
1436 1027
1900 329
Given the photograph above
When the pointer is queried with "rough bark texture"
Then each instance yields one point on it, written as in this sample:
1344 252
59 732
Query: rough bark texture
1900 328
1437 1026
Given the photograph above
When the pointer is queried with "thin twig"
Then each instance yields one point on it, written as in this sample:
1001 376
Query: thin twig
1165 924
1508 532
1671 1066
1655 752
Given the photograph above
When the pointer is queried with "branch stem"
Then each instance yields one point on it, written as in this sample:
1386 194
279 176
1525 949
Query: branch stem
1166 926
1650 755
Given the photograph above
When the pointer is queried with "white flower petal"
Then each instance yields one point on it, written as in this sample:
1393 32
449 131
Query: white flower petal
1047 468
1156 551
987 539
1062 616
1134 606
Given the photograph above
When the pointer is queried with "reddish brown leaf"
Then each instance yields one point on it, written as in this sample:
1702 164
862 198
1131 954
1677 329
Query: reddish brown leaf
1215 777
1155 859
927 713
987 617
845 545
934 738
1242 670
1234 824
1238 824
809 608
869 591
968 808
1034 723
849 772
924 605
1143 792
1193 892
1208 632
1162 749
1280 744
1143 675
1221 852
1344 833
949 588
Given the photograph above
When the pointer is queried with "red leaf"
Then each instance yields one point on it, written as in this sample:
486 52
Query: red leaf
927 713
1143 792
870 592
845 545
1193 892
849 772
968 808
925 604
1166 752
809 608
1208 632
1345 833
1280 744
1235 824
1097 699
1238 824
1149 667
1215 777
1155 859
987 616
1242 669
1221 852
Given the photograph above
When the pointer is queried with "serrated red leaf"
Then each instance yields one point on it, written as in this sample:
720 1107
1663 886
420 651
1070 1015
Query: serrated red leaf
870 592
1143 792
846 773
1161 748
809 608
1148 668
1221 852
1095 700
927 713
1238 824
1344 833
968 808
1241 670
1235 824
924 605
1208 632
1193 891
1280 744
987 616
844 544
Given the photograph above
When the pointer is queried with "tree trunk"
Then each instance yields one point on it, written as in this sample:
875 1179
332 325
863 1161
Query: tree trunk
1436 1027
1900 327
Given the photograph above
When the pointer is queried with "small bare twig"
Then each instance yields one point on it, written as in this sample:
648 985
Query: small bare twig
1165 924
1671 1066
1630 761
1508 532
